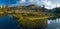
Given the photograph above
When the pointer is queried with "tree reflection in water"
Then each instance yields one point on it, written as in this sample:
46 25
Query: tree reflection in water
33 24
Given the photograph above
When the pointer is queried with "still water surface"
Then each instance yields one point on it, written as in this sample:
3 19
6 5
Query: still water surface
53 24
8 22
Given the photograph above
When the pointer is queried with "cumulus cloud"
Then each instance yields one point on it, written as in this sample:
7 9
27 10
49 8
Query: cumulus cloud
22 1
48 3
47 7
25 2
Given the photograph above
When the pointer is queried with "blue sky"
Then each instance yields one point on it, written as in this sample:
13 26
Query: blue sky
5 2
49 4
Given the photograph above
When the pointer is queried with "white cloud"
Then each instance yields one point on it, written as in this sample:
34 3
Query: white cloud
47 7
48 3
22 1
58 4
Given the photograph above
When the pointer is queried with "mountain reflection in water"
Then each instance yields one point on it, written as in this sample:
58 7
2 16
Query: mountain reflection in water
8 22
